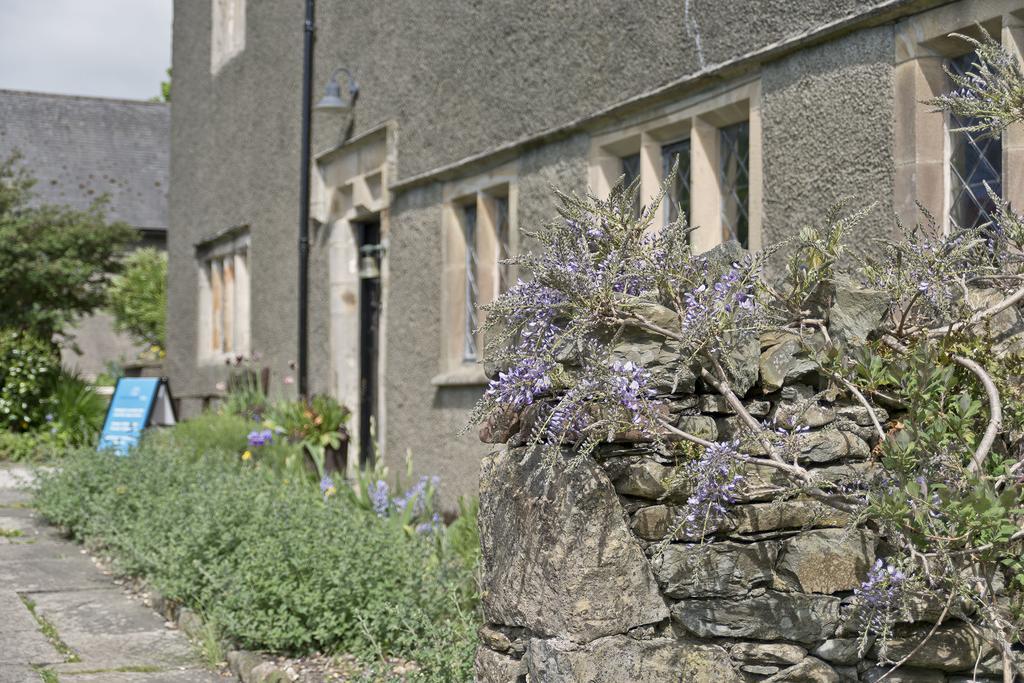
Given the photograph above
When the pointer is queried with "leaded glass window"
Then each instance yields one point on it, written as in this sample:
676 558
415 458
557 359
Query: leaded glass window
678 198
631 171
469 346
734 181
503 237
973 161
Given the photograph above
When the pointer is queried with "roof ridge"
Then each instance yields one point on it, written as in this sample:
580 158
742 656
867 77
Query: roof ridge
121 100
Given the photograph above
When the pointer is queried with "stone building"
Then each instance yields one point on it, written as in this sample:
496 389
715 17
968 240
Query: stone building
469 112
82 148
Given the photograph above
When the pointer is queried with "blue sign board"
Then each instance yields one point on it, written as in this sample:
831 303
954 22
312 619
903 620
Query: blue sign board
132 409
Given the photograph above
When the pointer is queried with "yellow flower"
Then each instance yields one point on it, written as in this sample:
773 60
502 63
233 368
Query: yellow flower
330 491
247 455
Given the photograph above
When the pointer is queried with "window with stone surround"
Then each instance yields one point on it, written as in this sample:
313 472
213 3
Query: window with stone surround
479 232
713 141
224 297
975 162
228 34
675 156
943 168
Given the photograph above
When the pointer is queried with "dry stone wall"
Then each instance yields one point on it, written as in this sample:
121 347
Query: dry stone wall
589 574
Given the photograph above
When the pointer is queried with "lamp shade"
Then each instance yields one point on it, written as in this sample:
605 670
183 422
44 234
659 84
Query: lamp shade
331 100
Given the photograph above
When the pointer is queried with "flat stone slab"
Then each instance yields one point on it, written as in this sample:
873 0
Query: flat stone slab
12 498
31 549
16 673
27 647
17 508
45 575
14 616
30 526
101 611
164 676
169 649
16 477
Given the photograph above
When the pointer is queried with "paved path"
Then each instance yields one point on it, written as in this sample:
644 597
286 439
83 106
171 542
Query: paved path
96 632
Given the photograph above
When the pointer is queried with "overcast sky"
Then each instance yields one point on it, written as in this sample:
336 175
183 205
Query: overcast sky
109 48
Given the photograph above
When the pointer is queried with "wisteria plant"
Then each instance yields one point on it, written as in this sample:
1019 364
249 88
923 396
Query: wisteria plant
949 498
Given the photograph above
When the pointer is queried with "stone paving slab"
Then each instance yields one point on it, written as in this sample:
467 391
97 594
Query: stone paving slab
115 637
14 617
18 510
16 673
74 572
167 650
172 676
11 498
101 610
30 526
25 648
22 550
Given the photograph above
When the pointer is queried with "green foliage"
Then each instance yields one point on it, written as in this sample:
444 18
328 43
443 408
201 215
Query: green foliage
246 396
29 367
313 426
77 411
55 262
220 435
817 252
112 371
27 446
138 297
268 560
165 87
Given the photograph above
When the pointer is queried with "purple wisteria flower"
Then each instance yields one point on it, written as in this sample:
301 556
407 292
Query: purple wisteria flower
714 483
710 309
881 595
260 438
519 386
629 386
380 497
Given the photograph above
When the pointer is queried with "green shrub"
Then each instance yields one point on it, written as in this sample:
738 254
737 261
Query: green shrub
29 367
206 434
138 297
246 395
55 261
27 446
271 562
77 411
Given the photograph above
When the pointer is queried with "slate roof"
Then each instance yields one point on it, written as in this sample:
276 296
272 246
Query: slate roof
79 148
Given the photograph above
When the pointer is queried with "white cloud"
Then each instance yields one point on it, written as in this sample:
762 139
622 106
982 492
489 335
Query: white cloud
108 48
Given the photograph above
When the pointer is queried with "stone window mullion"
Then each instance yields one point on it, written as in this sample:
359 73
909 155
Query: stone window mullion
1013 136
707 209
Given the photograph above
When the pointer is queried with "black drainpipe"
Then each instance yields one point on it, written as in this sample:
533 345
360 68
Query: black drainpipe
307 87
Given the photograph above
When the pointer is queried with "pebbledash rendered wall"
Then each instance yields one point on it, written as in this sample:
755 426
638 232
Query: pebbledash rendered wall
470 86
588 574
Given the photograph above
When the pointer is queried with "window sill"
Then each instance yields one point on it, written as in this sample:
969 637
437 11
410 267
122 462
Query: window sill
464 376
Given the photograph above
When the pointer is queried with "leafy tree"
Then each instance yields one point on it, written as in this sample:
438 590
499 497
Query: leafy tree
138 297
55 262
165 87
165 90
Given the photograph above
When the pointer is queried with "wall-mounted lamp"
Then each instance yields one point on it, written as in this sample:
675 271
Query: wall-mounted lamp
369 260
331 100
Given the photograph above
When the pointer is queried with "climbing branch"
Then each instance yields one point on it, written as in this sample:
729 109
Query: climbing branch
995 407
